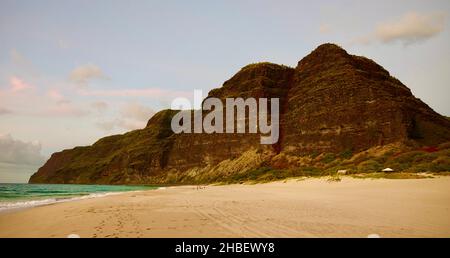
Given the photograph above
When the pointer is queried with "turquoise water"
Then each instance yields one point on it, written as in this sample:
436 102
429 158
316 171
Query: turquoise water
27 195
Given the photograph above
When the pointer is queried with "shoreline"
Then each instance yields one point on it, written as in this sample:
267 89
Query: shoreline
32 202
293 208
24 204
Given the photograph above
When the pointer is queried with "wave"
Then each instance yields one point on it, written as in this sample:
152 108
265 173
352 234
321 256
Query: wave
6 206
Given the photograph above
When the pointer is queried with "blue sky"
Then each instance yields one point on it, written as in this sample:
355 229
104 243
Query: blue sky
74 71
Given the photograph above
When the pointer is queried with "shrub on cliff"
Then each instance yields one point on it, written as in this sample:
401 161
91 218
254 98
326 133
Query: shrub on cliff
329 157
347 154
369 166
441 164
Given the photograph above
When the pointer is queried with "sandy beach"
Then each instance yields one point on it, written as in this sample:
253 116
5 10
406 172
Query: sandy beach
296 208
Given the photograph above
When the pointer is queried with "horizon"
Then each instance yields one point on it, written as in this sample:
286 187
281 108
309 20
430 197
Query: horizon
73 72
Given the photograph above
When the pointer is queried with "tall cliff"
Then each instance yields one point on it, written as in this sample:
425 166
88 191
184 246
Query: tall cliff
330 103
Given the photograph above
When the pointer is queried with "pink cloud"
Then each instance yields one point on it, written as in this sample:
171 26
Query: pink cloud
65 109
149 92
18 84
55 95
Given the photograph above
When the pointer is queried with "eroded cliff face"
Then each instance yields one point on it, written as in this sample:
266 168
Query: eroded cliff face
338 101
331 102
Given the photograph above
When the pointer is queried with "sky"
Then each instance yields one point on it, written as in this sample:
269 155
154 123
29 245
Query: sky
72 72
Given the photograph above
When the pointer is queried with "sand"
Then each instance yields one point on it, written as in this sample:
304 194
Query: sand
306 208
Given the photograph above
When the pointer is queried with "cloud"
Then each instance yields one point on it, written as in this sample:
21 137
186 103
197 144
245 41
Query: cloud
363 40
132 116
411 28
18 152
34 102
325 28
64 109
13 173
146 92
99 106
82 75
4 111
137 112
56 95
120 123
17 84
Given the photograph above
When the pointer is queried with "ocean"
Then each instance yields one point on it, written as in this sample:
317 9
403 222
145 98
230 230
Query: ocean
14 196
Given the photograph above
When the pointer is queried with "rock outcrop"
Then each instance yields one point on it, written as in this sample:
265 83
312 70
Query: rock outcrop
331 102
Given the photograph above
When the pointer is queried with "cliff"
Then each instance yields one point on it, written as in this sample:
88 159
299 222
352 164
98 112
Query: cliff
331 103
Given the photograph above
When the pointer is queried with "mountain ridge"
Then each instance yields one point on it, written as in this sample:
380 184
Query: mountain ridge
332 102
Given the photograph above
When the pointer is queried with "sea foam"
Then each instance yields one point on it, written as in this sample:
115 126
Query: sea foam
33 203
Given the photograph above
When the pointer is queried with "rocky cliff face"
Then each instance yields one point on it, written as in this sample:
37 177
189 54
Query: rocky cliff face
339 101
330 103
